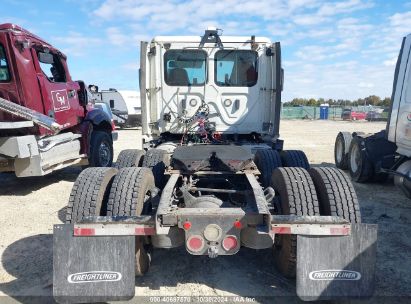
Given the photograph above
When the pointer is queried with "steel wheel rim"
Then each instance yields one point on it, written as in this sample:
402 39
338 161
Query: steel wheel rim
355 158
104 154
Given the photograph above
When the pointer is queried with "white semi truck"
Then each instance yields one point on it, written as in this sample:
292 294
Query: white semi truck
373 157
213 178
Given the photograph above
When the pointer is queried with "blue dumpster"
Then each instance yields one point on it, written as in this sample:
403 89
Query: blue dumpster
324 111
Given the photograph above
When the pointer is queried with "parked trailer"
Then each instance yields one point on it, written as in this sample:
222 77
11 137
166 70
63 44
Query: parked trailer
125 105
46 121
373 157
213 178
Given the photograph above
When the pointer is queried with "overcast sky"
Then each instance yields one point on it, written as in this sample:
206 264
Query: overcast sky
332 49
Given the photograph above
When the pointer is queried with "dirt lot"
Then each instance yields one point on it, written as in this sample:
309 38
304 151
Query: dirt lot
29 208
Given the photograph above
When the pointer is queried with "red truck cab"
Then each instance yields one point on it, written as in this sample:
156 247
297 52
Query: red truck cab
35 76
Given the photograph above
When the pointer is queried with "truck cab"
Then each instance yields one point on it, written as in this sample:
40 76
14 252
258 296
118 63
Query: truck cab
235 81
399 124
46 119
35 75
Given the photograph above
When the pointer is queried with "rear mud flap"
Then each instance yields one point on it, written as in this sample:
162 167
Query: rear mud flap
92 269
333 267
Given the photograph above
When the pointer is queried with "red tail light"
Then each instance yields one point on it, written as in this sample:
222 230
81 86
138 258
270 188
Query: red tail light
187 225
195 243
238 225
113 125
230 243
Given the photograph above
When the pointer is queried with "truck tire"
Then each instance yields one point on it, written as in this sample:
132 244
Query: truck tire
156 160
341 149
361 168
129 158
129 196
101 149
297 196
267 160
89 194
294 158
336 193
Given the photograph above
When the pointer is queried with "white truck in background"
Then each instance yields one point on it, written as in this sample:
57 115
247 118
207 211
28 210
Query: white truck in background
125 105
373 157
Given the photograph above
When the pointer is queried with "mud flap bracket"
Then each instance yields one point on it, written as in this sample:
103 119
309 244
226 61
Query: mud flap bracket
336 267
92 269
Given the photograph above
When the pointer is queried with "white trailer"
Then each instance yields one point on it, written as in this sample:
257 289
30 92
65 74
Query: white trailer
125 105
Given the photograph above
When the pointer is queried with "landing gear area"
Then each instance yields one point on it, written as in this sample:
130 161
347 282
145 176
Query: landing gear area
372 158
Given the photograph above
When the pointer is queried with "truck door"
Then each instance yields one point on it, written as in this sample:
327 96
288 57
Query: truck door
8 87
400 119
59 92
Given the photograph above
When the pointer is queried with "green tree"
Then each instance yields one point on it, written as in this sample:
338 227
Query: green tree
386 102
372 100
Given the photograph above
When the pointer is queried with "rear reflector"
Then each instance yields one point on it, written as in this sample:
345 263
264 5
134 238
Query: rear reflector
230 243
195 243
340 231
187 225
238 225
98 229
311 229
84 231
144 230
281 230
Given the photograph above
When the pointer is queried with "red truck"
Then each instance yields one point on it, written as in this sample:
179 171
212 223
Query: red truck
46 119
349 114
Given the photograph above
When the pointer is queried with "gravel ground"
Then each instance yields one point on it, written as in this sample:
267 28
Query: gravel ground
30 207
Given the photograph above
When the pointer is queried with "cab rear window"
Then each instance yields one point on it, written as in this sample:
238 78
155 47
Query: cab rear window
236 68
185 67
4 66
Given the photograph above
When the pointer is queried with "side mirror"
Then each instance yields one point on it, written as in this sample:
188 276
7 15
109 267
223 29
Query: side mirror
93 88
269 52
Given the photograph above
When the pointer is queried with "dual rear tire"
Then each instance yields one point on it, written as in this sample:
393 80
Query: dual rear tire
267 160
295 193
317 191
155 159
113 192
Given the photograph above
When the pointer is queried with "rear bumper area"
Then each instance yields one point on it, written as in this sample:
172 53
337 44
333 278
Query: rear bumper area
335 259
221 232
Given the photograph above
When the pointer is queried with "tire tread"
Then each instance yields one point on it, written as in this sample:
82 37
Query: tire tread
89 191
